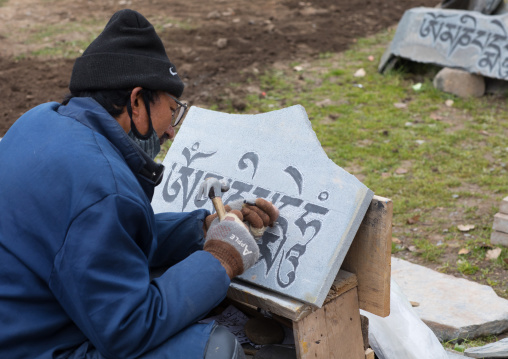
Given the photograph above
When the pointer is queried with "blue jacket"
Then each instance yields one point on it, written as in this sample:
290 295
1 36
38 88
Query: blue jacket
77 239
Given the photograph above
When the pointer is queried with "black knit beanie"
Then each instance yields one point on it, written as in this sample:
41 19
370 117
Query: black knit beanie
128 53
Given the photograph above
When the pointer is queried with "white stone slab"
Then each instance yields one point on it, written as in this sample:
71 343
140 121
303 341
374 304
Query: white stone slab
499 238
503 208
500 222
452 38
493 350
276 156
452 307
454 355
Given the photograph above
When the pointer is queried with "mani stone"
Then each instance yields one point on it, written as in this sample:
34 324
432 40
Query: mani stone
499 238
454 308
499 233
500 222
460 83
493 350
503 208
263 331
461 39
277 156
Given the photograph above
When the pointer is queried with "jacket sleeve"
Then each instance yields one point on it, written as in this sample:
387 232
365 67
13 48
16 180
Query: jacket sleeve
178 236
101 279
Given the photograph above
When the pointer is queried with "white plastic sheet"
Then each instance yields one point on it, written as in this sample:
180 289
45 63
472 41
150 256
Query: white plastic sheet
402 335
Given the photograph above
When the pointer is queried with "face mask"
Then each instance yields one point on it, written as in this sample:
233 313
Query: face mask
151 145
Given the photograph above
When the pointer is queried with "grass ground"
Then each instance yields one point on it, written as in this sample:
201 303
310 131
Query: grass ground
440 158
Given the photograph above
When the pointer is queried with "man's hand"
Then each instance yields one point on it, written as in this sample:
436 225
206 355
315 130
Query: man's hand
258 214
231 243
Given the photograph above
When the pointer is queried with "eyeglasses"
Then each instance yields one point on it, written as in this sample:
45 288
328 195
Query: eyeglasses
179 113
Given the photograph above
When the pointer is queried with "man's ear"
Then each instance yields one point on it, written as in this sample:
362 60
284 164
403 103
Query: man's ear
136 101
139 114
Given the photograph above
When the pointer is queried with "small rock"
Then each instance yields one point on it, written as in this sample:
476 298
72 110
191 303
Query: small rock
264 331
360 73
465 227
371 58
400 105
493 350
493 253
222 43
460 83
228 12
213 15
275 351
449 103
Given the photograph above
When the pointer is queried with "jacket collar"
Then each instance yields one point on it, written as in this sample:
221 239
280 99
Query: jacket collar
87 111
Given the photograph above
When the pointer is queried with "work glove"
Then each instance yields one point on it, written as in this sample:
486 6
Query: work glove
258 214
231 243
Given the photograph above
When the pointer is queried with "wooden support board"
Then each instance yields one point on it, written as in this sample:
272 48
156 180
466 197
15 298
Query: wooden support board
369 257
284 306
332 331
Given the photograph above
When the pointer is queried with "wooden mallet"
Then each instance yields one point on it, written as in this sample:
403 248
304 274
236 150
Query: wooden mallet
213 189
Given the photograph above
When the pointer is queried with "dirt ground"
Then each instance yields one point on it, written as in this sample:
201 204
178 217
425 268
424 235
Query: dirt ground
255 35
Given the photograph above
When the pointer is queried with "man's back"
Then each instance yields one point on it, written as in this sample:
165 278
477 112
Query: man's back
53 168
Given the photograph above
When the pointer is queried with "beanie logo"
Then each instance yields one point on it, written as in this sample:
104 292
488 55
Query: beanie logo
172 72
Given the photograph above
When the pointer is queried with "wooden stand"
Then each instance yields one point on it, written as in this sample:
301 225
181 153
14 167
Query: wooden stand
334 330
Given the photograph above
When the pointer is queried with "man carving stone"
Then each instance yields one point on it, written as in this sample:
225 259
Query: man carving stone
78 236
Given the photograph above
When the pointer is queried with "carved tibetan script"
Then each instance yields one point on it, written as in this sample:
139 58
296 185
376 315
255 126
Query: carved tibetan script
456 38
275 156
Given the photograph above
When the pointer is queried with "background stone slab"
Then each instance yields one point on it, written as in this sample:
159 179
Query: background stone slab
276 156
452 307
452 38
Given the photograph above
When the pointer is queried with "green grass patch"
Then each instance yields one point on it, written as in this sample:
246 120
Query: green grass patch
411 147
428 250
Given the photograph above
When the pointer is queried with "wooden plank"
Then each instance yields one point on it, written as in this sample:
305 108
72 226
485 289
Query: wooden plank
284 306
369 354
332 331
369 257
268 300
343 282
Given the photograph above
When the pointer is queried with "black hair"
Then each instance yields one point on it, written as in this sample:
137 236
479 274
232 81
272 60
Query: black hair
114 101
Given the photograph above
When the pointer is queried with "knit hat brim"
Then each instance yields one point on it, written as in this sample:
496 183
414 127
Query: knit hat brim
109 71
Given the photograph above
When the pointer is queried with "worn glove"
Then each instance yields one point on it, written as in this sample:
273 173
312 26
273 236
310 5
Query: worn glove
231 243
258 214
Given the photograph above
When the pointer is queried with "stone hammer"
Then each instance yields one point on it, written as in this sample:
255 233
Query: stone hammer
213 188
